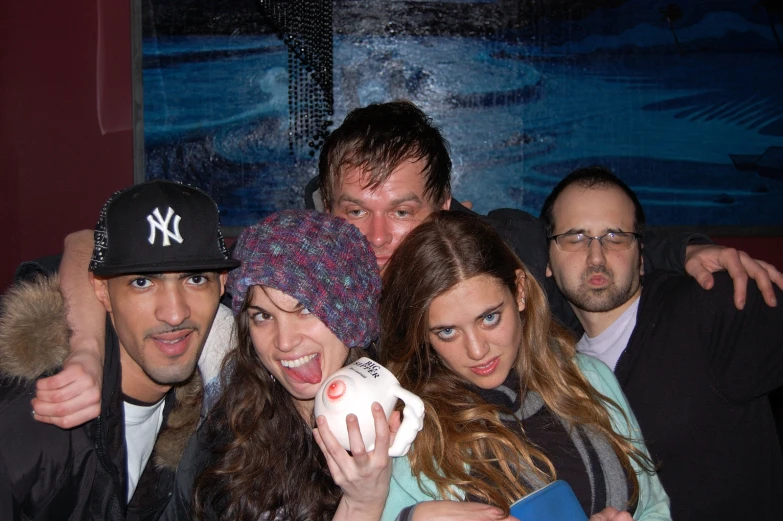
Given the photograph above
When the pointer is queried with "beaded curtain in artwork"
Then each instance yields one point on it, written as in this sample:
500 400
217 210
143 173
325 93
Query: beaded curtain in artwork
305 26
683 101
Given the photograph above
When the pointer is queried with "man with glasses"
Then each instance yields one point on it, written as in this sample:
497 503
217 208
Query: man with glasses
696 370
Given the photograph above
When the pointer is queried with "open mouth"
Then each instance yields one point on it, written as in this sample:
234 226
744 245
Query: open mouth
305 369
174 343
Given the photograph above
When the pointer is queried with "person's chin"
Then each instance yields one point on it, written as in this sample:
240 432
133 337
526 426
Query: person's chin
298 388
173 374
302 391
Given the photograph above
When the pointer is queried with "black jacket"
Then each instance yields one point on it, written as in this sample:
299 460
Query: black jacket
697 373
50 473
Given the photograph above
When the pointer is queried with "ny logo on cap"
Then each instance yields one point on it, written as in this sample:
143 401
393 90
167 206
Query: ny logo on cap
157 222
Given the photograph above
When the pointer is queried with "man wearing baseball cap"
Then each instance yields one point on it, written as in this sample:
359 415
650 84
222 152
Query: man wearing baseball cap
159 268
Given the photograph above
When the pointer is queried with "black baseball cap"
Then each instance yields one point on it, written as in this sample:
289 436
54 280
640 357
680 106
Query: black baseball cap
156 227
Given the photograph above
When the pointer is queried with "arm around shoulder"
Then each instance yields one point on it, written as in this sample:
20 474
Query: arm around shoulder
669 252
86 314
72 397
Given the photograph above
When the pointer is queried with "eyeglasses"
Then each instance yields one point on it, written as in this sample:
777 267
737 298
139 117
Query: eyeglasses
612 241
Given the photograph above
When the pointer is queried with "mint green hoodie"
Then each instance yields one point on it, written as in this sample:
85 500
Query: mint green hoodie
653 504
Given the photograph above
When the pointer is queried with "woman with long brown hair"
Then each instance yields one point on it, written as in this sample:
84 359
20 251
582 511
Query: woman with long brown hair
306 303
510 405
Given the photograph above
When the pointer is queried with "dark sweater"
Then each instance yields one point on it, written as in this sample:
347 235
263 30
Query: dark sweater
588 468
697 373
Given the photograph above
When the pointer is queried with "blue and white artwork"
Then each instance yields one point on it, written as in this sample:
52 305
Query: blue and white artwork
684 101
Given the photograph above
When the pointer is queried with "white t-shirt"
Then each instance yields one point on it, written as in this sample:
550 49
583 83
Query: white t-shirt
610 344
142 423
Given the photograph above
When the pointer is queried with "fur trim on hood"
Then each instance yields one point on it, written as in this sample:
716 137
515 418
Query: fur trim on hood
34 332
181 423
34 339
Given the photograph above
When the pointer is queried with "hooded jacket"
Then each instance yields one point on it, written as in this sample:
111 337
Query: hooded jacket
81 473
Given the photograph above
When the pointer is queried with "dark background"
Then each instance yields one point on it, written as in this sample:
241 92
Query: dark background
65 124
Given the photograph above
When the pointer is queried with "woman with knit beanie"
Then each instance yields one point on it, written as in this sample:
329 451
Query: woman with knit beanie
510 406
306 304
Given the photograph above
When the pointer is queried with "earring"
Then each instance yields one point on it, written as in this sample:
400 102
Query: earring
272 377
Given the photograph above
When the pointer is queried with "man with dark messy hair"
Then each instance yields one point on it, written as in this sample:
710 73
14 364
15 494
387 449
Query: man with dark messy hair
697 371
379 138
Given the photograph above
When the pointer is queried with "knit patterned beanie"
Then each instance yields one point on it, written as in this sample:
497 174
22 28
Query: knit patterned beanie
320 260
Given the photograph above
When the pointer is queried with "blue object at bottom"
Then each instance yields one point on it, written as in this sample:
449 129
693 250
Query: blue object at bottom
555 501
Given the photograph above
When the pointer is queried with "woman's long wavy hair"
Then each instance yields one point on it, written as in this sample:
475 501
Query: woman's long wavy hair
463 436
267 465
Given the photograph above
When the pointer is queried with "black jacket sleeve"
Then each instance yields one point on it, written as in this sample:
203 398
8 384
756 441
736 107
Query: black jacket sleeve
29 270
668 253
7 505
41 465
745 348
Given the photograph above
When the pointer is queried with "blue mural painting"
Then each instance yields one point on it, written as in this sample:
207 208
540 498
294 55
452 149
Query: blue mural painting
684 101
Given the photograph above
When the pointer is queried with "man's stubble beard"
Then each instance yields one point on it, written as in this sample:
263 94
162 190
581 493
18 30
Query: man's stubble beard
174 375
603 299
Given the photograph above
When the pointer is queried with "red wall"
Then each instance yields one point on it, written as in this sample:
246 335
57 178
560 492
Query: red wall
769 249
56 165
